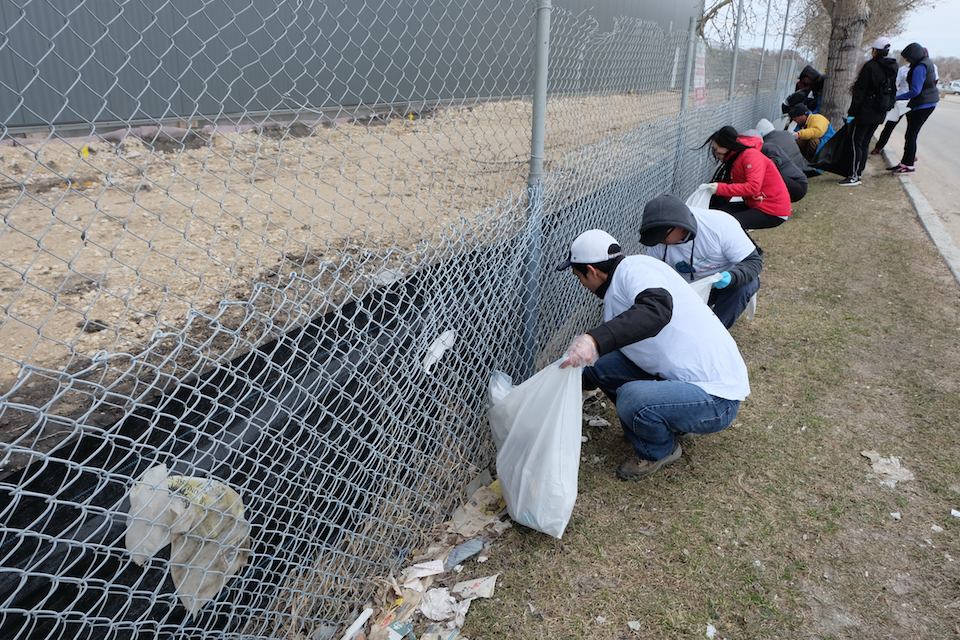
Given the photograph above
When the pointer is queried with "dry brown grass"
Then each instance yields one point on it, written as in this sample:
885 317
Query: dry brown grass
777 528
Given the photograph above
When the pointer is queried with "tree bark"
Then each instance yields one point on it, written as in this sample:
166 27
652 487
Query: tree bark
848 22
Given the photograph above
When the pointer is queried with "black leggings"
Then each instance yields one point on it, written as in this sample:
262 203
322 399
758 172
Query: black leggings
796 189
887 130
862 133
747 217
915 120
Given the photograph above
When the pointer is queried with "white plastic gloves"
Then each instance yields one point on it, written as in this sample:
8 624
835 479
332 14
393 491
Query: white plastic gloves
582 352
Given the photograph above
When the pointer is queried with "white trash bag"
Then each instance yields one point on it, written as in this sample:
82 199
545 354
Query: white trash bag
536 428
700 198
703 286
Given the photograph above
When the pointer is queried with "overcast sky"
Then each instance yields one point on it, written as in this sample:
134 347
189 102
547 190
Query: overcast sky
937 28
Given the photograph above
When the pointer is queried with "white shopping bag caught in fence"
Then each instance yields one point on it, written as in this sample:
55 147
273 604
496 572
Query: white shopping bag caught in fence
536 429
700 198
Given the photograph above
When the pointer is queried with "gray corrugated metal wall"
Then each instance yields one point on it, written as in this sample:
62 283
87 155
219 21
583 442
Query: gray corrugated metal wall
111 61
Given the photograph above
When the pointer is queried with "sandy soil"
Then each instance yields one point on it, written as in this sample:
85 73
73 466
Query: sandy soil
107 246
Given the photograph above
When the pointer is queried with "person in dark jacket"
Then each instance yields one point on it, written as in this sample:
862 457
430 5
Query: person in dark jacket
922 97
808 92
866 113
700 243
786 141
660 355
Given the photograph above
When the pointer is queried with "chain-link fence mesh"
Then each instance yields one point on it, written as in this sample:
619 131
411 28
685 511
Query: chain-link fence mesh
231 259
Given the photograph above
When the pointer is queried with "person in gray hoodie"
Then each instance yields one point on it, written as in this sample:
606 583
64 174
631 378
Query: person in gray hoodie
792 176
786 141
698 243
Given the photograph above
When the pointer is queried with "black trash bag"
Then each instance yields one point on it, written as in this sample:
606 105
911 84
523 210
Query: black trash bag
836 154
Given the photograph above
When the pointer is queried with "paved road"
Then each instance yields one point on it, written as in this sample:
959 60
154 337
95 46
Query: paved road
938 163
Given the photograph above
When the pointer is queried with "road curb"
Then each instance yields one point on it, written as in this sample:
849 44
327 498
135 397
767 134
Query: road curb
931 222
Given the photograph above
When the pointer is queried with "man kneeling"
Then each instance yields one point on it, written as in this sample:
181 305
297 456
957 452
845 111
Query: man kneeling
660 355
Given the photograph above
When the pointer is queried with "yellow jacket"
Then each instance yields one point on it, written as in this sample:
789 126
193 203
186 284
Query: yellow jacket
815 128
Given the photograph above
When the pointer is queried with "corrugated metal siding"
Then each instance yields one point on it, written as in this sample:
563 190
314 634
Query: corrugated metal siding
110 61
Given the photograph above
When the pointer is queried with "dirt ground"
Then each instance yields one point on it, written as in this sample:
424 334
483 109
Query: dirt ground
108 245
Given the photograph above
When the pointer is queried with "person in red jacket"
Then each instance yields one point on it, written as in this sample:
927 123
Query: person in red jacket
745 172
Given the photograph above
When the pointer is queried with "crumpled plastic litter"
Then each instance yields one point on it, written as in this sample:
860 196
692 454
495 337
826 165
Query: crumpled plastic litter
201 519
889 469
439 346
462 552
439 605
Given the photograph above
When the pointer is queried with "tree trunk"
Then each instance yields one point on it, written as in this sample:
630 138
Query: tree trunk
848 22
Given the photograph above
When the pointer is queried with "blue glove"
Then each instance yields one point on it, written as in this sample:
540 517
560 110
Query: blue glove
725 279
849 119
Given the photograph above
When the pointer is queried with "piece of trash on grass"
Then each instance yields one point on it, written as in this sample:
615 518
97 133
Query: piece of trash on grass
439 346
948 557
936 528
437 632
890 468
600 619
400 630
202 521
598 422
955 513
483 479
439 605
895 515
483 508
462 552
482 558
479 588
500 527
711 631
354 629
633 624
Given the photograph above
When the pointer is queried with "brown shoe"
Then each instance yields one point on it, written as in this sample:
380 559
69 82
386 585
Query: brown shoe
634 467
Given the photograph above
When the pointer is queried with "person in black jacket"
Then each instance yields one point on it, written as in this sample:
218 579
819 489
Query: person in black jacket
923 96
866 112
809 91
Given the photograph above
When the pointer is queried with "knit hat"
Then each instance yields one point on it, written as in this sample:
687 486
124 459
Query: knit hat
592 247
798 110
662 214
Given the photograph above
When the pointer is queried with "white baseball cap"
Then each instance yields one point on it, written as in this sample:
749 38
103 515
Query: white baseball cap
592 247
881 43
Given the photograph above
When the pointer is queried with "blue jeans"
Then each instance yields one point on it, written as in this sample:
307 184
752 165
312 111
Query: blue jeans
652 411
729 303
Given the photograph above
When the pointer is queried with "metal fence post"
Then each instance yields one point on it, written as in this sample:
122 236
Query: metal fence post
763 47
534 233
688 67
783 40
736 51
684 96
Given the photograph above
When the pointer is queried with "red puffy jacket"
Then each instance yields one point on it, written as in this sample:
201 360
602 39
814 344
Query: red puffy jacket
756 180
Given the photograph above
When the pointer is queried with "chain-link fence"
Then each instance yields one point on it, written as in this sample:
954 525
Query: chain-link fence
232 261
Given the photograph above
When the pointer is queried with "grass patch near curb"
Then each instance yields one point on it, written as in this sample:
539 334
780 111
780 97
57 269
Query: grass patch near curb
777 527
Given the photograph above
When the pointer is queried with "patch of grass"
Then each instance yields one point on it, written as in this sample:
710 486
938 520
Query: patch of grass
777 527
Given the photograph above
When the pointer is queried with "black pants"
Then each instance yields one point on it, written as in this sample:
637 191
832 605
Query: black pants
747 217
915 120
862 133
887 130
796 189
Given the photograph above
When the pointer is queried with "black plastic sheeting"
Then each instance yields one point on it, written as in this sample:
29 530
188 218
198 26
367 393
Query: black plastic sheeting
306 403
